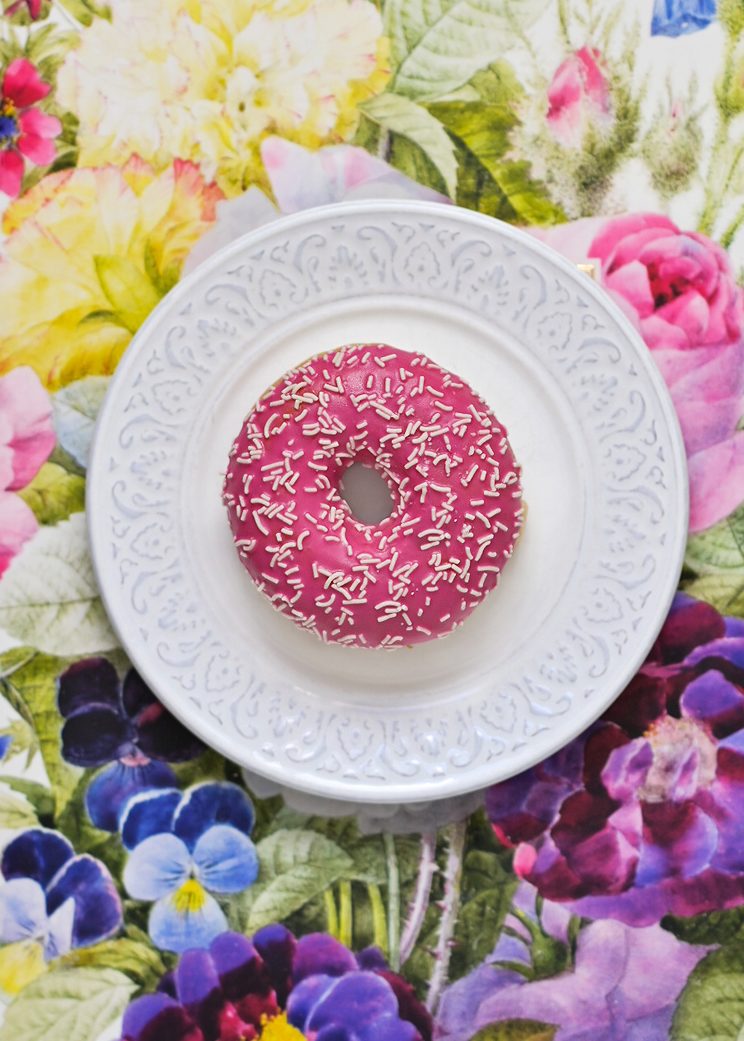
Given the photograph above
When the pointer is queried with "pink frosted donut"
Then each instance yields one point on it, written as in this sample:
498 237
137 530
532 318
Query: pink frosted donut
417 574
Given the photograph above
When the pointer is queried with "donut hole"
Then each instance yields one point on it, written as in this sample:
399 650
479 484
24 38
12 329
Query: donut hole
366 493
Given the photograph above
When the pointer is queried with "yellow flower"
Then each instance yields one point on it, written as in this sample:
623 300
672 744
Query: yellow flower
207 80
89 254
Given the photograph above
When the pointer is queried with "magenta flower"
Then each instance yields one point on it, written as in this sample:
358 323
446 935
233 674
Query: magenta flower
274 985
33 7
578 95
640 816
679 289
26 439
25 131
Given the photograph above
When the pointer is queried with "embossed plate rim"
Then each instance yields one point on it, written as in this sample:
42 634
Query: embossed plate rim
454 781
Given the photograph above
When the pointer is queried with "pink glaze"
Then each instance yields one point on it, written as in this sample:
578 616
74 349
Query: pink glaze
419 573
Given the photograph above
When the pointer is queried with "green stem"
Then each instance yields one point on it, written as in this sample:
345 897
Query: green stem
421 894
714 196
331 912
450 908
730 233
345 913
379 922
393 898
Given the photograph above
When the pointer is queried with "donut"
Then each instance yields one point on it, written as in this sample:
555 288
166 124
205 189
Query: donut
420 572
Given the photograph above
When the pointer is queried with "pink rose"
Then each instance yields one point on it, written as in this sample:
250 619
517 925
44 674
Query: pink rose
679 290
578 93
26 439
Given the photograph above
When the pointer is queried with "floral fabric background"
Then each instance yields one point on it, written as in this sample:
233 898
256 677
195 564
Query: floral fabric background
146 893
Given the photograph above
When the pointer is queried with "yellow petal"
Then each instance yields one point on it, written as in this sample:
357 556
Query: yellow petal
20 964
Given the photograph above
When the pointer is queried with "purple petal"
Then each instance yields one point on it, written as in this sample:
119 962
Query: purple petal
212 803
714 700
37 854
354 1000
161 736
277 946
98 912
87 682
239 966
199 990
150 813
679 841
157 1017
177 929
372 959
112 789
386 1028
95 735
225 860
23 912
135 694
320 954
305 996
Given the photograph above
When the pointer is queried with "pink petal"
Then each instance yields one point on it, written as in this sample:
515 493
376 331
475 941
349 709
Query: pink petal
593 78
573 239
22 83
39 150
705 423
17 525
616 231
631 282
688 312
25 405
661 334
716 482
11 173
34 121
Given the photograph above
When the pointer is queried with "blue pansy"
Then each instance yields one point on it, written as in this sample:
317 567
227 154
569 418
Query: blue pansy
679 17
51 901
106 720
184 847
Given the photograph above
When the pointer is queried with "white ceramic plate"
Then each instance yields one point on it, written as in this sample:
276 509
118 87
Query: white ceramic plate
604 478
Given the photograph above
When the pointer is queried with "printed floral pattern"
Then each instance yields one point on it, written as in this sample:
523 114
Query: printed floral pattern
144 891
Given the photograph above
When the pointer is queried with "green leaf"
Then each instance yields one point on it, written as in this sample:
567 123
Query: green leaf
33 686
139 960
16 812
39 796
76 407
130 292
720 547
398 115
439 44
54 494
49 597
74 1004
487 890
489 181
716 927
715 558
295 866
77 826
516 1030
711 1006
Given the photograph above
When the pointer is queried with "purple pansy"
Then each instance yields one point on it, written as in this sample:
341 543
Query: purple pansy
51 901
106 720
184 847
640 816
274 985
622 984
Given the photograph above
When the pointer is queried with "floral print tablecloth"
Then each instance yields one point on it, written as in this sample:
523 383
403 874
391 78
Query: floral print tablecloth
146 893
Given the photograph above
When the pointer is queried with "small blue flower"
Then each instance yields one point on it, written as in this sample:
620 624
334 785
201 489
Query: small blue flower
51 901
680 17
183 849
107 719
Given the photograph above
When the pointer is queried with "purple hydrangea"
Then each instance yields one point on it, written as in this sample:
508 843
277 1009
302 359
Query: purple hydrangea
122 723
640 816
273 985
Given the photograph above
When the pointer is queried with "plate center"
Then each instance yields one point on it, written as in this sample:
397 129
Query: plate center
367 493
546 440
